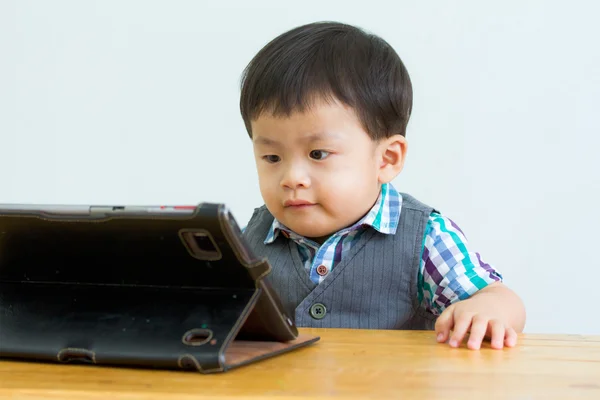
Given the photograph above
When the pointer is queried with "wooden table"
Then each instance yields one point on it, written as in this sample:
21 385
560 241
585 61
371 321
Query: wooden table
344 364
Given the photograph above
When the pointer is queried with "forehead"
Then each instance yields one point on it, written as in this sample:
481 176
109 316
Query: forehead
322 121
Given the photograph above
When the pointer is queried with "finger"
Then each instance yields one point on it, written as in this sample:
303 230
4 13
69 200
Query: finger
461 326
498 331
510 339
478 330
444 323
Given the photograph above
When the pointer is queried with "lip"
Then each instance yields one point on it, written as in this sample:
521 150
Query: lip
297 203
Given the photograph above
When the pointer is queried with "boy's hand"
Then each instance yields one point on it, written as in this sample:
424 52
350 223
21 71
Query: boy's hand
463 317
494 312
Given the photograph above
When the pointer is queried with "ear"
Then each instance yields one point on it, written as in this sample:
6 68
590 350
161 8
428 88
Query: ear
391 155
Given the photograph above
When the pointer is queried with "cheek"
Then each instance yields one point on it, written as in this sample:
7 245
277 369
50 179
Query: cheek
349 183
267 183
351 174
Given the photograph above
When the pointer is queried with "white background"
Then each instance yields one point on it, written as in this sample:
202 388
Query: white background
137 102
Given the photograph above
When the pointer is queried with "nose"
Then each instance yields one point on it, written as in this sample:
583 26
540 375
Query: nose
295 177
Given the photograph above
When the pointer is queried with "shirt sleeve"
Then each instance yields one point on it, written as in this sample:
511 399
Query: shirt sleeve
450 270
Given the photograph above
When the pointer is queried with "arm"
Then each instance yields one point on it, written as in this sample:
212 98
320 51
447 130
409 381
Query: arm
466 293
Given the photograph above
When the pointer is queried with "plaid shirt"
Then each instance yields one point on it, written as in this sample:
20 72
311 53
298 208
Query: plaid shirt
449 270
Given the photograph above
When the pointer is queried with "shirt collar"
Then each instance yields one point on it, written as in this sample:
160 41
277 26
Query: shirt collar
383 217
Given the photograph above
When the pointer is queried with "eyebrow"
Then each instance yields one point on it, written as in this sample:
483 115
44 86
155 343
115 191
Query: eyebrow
315 137
266 141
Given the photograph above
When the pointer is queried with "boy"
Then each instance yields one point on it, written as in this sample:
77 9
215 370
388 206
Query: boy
326 106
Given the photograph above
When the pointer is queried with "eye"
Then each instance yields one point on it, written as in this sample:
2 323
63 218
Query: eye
271 158
319 154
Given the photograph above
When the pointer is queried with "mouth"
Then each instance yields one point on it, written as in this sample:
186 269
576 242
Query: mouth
297 204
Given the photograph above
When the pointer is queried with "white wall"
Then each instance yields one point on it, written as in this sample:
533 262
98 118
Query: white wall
137 102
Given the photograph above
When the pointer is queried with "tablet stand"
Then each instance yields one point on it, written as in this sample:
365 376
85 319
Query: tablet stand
134 291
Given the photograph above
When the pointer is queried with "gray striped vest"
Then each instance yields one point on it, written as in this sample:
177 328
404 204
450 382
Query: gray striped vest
373 287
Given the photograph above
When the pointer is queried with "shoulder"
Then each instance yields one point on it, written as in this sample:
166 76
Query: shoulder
409 202
261 218
415 215
260 212
437 223
439 226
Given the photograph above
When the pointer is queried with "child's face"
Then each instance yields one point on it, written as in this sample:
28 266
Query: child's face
319 171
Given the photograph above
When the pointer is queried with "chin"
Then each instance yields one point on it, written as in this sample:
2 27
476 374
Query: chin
310 231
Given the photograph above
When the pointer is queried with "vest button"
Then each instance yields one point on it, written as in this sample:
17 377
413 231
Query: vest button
317 311
322 270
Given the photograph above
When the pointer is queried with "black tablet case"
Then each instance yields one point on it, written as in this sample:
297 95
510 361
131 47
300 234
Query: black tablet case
143 290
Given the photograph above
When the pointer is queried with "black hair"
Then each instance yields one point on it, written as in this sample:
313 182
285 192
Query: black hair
327 61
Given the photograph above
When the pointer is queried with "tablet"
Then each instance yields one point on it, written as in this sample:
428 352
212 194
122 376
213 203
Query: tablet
156 286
